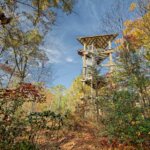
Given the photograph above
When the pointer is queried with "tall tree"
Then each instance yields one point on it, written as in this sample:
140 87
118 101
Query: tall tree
127 114
22 38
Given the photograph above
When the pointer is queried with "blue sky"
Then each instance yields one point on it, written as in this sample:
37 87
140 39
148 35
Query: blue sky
61 44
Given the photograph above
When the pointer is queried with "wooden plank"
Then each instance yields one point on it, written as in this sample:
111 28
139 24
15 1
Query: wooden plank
100 42
109 51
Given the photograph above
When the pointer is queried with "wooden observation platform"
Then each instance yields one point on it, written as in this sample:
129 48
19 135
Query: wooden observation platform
99 41
96 49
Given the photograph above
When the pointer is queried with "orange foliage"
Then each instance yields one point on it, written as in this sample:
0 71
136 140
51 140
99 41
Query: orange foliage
136 32
8 69
25 91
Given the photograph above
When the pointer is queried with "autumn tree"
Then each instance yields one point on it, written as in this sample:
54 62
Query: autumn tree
126 115
22 55
113 19
59 101
22 39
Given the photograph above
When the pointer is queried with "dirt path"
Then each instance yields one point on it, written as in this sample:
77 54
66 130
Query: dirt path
83 137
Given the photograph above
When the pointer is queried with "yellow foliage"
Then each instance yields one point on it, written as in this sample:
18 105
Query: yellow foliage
45 5
138 133
133 6
75 93
127 23
118 41
137 32
133 122
34 35
147 56
14 42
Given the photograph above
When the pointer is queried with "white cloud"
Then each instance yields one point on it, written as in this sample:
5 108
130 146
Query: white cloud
69 59
54 55
54 49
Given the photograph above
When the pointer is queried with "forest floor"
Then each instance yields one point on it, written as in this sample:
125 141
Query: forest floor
84 136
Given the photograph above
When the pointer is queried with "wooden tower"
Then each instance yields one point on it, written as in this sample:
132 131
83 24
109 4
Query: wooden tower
95 50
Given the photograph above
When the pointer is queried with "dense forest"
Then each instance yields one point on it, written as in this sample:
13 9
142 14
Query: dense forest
36 117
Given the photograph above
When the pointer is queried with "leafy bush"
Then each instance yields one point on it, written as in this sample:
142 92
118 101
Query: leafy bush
127 122
25 145
17 129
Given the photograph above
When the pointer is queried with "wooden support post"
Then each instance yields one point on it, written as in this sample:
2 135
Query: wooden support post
109 45
110 57
84 63
111 62
84 76
92 74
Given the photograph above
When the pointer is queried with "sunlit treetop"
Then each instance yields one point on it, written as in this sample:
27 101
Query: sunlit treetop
133 6
136 31
41 13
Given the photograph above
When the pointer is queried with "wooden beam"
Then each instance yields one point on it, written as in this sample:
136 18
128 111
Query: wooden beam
102 40
107 51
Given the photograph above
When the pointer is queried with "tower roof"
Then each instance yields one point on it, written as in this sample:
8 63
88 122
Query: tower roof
99 41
